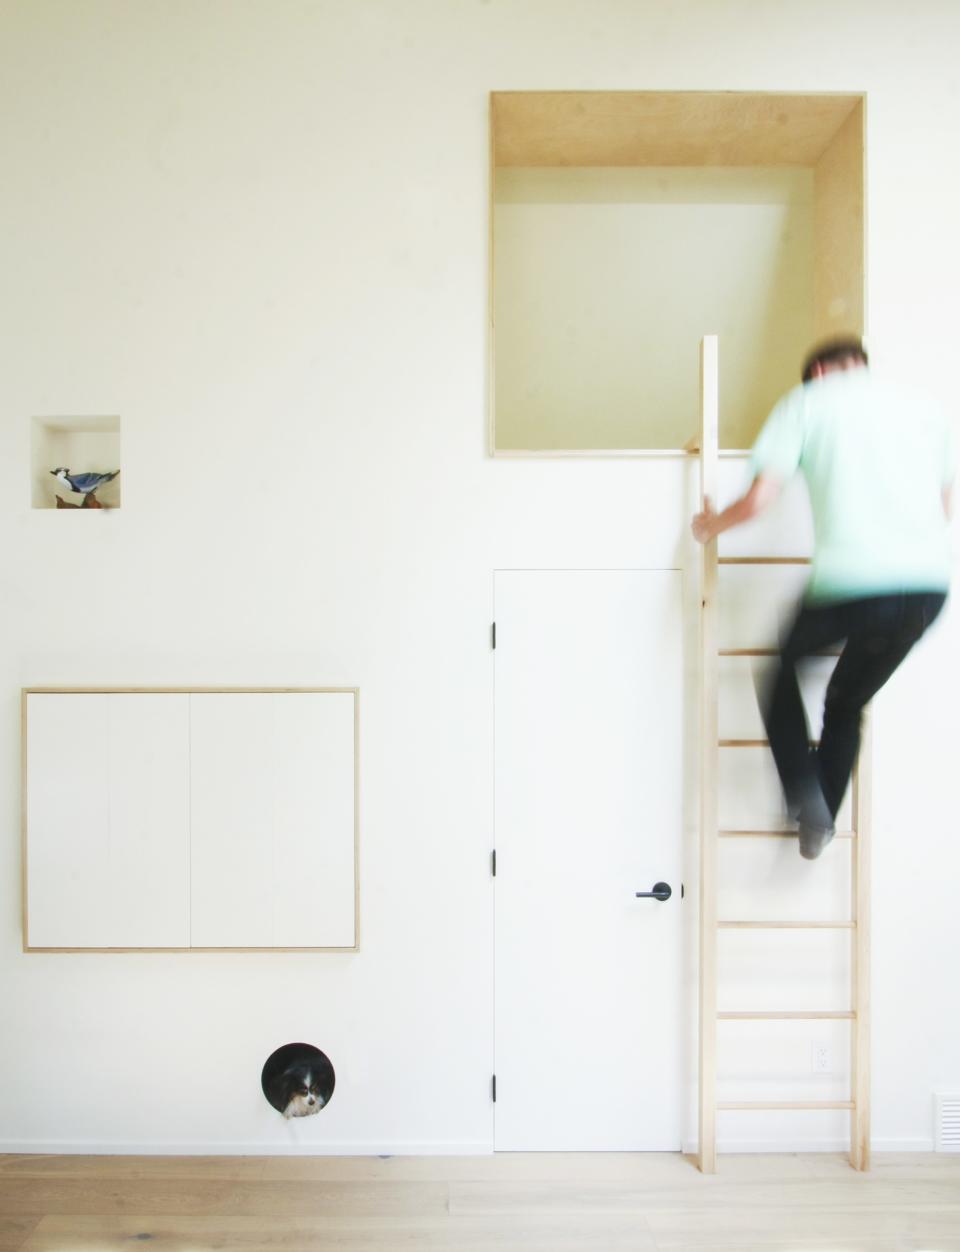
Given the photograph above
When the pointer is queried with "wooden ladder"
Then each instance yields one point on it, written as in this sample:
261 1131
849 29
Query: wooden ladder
858 923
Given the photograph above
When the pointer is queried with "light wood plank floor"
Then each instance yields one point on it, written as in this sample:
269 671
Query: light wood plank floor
531 1202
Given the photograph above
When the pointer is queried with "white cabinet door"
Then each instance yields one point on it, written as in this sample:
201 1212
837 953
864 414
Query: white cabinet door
588 810
314 821
272 847
108 818
176 820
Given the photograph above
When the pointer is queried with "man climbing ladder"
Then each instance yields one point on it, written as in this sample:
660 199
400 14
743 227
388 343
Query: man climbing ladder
879 463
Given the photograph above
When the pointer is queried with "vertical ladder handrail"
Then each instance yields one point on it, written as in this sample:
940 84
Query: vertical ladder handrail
709 762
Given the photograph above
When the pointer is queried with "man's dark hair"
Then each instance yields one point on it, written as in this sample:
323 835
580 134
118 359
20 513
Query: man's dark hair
832 351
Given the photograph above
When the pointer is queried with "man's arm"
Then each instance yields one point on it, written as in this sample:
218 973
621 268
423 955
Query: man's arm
763 491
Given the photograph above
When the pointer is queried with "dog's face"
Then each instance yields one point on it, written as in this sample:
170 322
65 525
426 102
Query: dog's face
302 1090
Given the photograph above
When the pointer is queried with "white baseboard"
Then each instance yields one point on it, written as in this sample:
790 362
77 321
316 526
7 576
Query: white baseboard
430 1148
15 1147
747 1146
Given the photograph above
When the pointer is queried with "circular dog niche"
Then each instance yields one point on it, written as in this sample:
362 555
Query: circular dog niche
298 1079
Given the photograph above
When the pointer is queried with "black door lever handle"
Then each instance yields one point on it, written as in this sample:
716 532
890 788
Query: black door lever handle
661 891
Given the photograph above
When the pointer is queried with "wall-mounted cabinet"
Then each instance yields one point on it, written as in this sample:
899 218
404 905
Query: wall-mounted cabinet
626 225
190 819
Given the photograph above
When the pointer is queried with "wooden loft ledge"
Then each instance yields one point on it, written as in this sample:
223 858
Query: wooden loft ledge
661 128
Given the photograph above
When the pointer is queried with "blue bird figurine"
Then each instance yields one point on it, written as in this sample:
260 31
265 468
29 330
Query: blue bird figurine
85 484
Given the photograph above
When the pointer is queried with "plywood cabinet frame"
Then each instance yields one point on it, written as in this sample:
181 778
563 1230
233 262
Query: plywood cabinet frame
823 131
101 690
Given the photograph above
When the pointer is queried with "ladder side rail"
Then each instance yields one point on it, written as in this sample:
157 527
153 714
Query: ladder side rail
709 762
860 957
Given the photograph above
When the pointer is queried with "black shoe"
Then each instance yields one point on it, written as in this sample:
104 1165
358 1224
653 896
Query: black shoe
815 822
813 839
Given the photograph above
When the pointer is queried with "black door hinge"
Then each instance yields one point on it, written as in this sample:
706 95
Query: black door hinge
494 635
493 862
494 1088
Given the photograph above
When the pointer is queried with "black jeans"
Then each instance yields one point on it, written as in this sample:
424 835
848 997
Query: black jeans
879 632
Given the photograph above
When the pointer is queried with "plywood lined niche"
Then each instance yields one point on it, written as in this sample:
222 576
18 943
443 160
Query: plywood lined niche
627 224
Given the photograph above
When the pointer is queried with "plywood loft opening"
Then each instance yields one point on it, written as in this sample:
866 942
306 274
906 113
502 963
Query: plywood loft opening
625 225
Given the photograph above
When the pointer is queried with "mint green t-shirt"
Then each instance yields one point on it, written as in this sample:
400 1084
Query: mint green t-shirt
876 458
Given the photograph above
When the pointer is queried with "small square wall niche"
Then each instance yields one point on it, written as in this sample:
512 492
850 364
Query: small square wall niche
627 225
81 446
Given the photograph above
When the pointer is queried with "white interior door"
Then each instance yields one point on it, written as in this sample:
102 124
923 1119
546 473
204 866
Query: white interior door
588 811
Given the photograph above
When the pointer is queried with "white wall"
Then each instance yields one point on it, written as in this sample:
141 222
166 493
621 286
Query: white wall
258 233
605 280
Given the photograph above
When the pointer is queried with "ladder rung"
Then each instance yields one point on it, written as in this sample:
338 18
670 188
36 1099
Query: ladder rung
826 1015
786 1104
770 652
777 834
731 925
754 743
763 560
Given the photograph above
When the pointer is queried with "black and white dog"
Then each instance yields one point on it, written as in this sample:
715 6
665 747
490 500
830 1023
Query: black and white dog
302 1087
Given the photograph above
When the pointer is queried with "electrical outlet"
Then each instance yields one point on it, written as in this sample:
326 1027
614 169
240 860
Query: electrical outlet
821 1058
